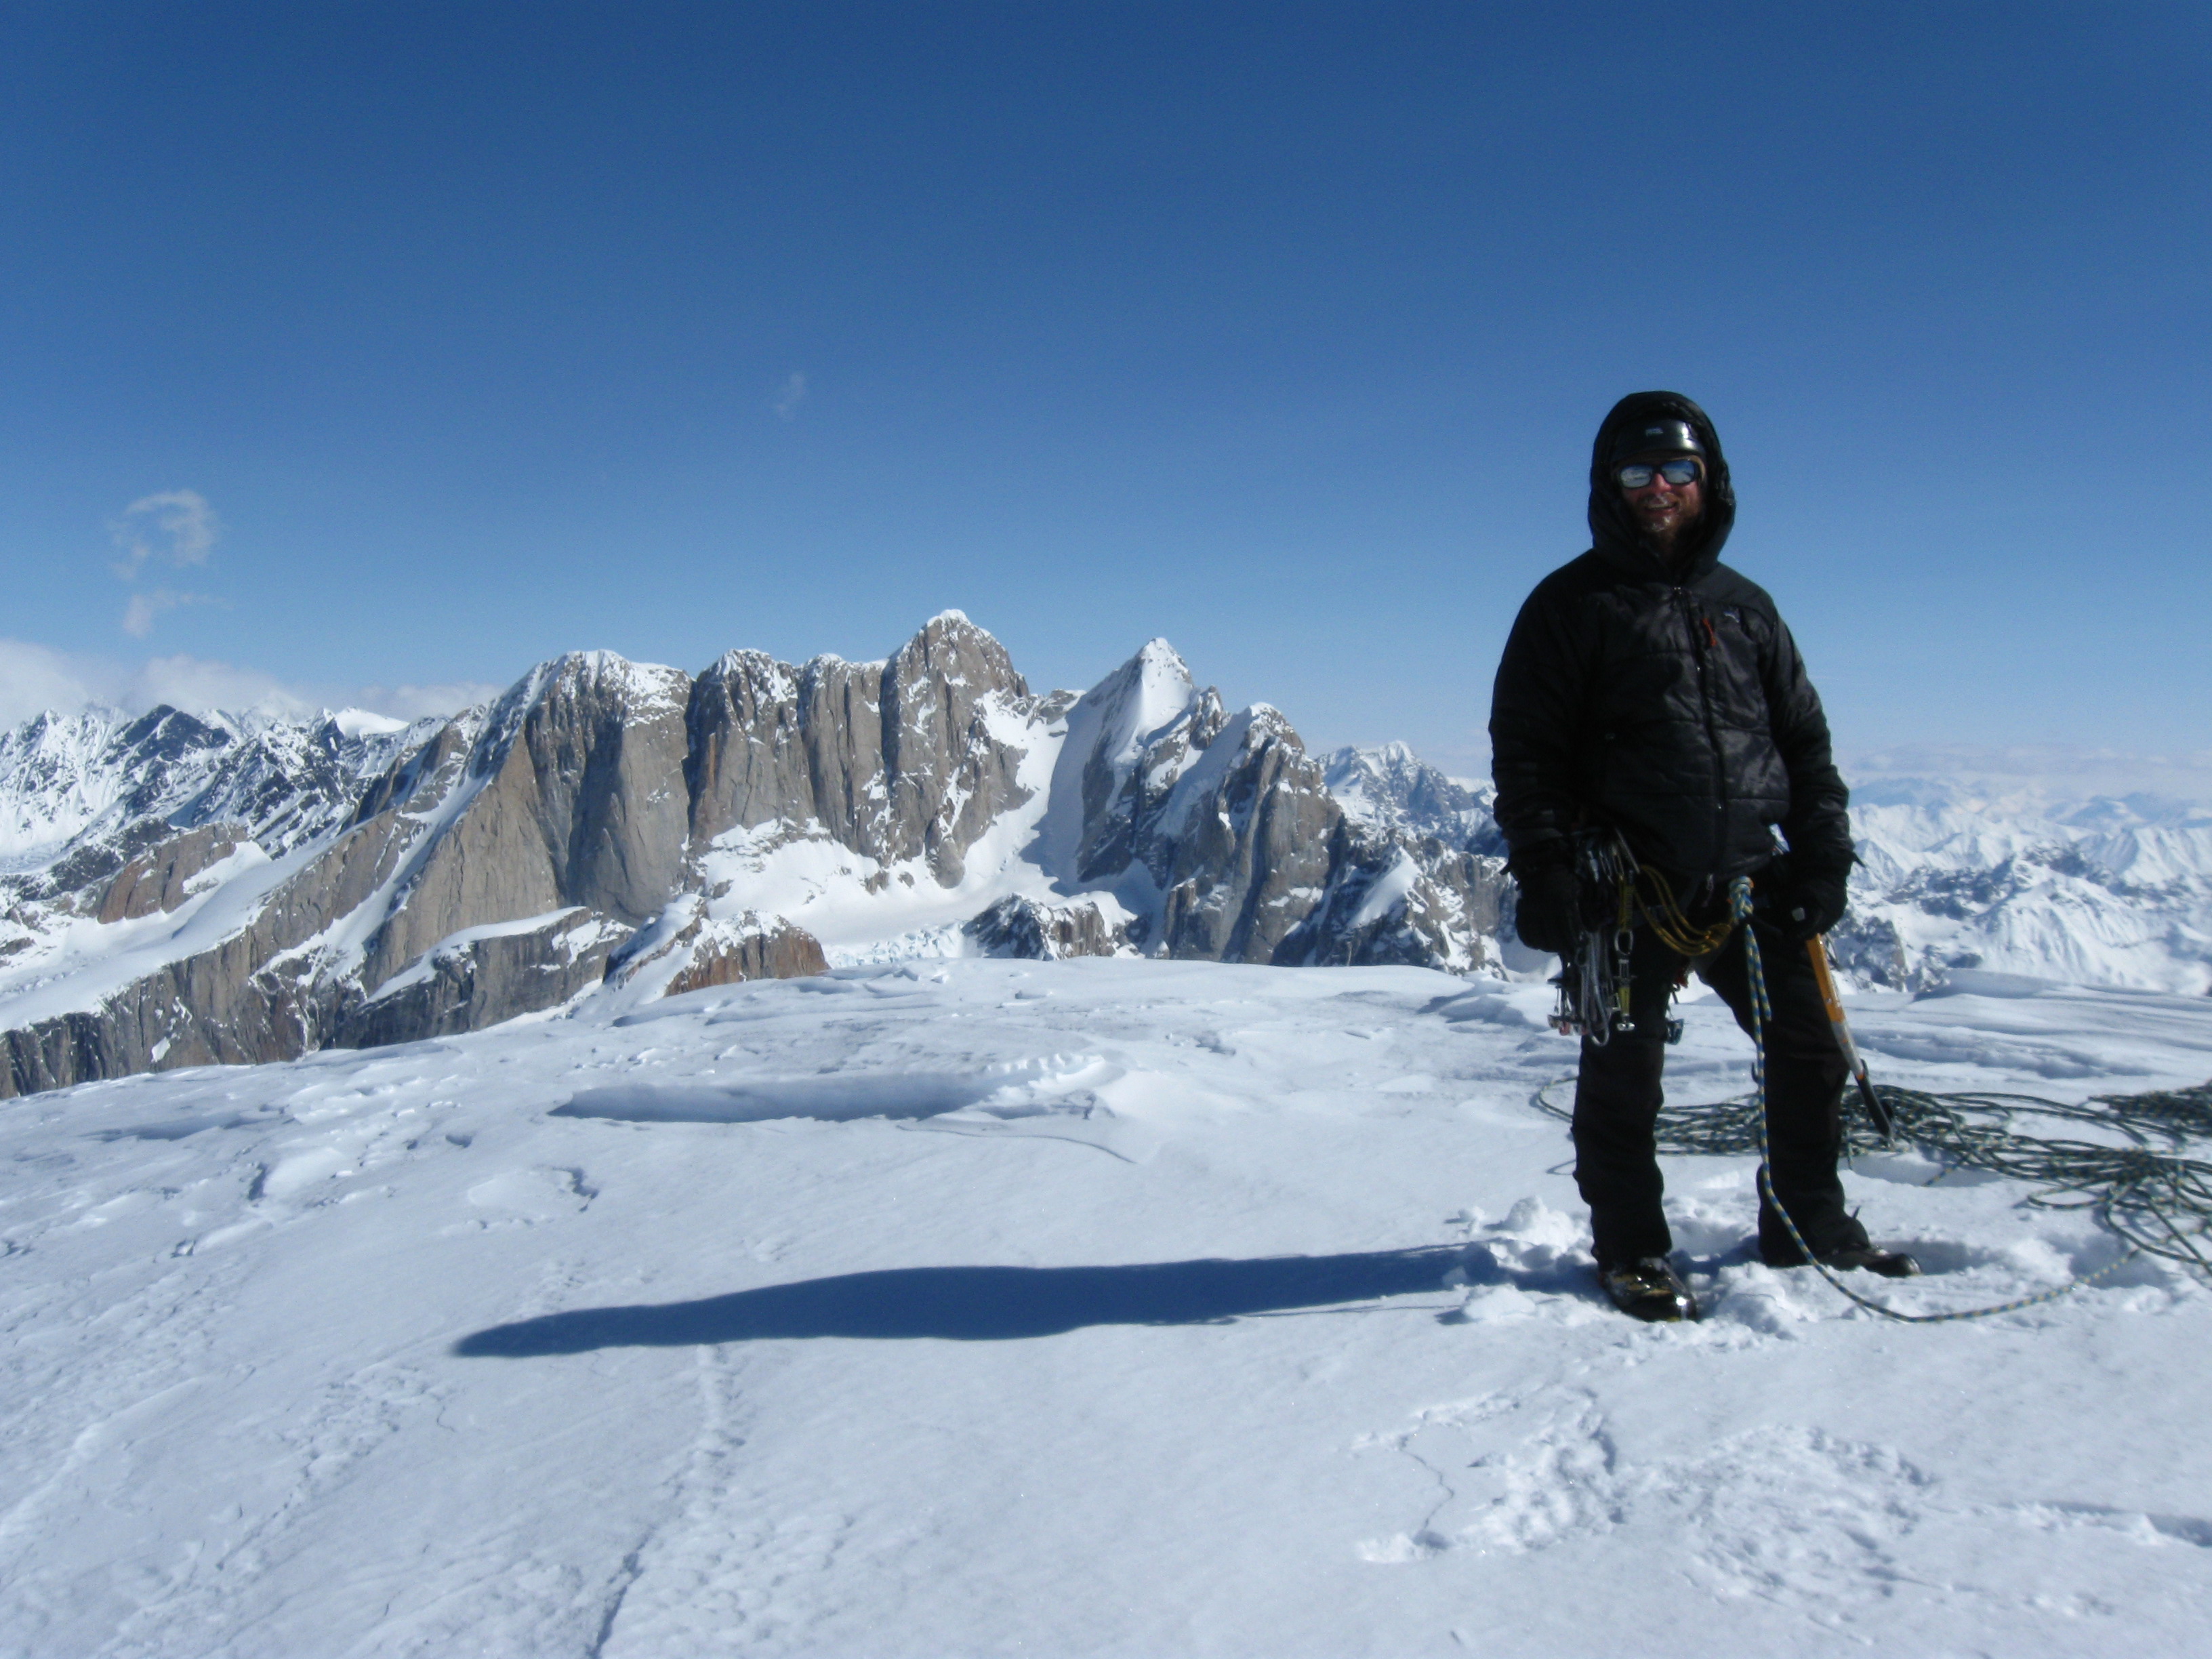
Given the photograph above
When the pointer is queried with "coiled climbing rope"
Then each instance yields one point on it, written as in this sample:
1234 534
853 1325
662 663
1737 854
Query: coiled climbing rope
2140 1189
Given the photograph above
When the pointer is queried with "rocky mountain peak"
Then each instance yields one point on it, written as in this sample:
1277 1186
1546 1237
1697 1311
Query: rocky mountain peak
184 889
951 704
1388 787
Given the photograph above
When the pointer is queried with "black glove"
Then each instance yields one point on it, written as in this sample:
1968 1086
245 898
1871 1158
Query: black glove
1550 912
1809 902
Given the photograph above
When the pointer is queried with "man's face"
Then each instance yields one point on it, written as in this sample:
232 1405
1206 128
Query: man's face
1664 510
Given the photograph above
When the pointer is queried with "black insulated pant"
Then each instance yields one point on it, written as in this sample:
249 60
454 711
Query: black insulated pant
1618 1095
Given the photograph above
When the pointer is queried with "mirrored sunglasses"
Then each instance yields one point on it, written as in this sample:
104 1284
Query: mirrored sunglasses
1636 474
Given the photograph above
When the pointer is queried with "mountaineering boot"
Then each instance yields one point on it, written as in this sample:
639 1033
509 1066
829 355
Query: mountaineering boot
1845 1247
1849 1255
1890 1264
1649 1289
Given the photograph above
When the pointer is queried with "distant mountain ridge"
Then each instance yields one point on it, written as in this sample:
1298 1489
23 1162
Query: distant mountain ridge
1952 879
180 890
2107 891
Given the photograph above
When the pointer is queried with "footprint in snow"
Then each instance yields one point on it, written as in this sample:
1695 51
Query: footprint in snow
1788 1514
1537 1259
1512 1475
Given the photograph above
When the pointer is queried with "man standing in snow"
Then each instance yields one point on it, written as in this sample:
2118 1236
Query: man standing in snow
1650 691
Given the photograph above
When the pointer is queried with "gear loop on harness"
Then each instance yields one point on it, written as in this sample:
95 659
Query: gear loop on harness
1595 977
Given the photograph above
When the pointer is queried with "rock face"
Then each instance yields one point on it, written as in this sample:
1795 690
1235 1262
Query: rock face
1248 831
1036 932
686 949
912 758
1391 790
179 890
1412 900
161 879
259 889
572 795
1214 829
1419 868
483 976
773 950
1225 838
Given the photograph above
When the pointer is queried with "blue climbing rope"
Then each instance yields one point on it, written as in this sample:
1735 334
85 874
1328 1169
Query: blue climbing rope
1762 1015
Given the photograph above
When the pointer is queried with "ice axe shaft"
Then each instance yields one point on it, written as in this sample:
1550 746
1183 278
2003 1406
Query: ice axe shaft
1817 948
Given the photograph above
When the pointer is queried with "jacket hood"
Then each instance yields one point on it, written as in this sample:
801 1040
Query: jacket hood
1613 528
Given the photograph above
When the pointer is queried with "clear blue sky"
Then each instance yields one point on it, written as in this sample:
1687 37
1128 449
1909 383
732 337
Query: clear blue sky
490 331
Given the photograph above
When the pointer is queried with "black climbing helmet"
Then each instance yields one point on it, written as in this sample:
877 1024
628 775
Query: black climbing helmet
1661 434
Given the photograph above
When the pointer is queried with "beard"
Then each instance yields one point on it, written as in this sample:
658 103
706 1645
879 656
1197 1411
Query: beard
1671 538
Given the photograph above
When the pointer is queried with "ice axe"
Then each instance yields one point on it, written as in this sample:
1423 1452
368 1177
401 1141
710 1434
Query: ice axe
1817 948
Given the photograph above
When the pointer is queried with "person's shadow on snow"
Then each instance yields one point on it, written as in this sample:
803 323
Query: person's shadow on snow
995 1304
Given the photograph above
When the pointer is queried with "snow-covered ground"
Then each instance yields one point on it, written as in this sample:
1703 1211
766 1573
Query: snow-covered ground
1095 1307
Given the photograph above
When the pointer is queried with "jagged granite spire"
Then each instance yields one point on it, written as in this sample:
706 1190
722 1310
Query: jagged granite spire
185 892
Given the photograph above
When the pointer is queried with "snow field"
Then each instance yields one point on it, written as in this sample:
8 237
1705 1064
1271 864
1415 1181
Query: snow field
1096 1307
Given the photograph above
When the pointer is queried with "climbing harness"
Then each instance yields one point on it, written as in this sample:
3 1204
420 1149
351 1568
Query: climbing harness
1594 979
2140 1194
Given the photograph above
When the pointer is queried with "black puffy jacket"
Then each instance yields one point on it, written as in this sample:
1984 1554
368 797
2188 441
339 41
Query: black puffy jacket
1669 703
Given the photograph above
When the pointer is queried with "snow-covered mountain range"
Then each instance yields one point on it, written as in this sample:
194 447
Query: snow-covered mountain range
1954 879
178 888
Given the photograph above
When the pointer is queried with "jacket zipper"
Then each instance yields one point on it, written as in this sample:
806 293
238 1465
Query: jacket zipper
1701 630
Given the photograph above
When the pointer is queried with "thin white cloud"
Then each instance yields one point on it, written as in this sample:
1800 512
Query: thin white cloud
2064 770
36 679
199 685
172 526
788 399
148 603
414 703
